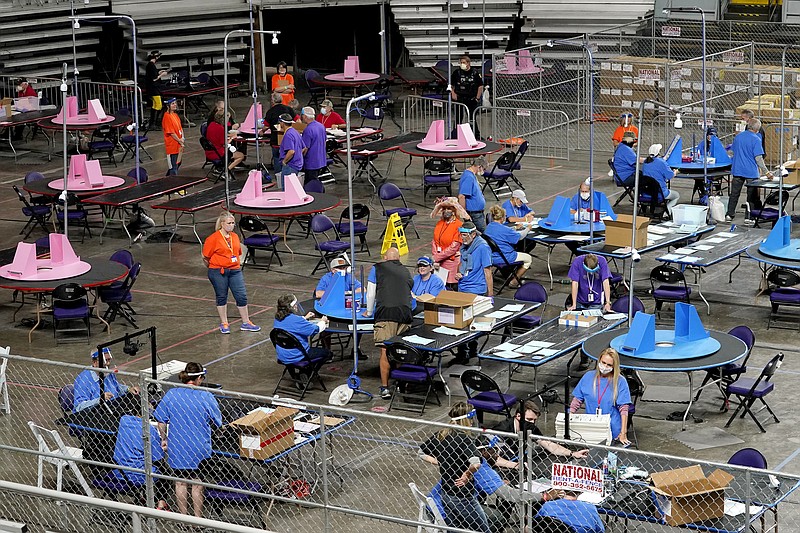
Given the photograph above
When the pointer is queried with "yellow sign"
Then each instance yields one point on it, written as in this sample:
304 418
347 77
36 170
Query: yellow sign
395 235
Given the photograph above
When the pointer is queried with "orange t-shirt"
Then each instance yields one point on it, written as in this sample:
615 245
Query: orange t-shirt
620 131
445 234
219 251
279 81
171 123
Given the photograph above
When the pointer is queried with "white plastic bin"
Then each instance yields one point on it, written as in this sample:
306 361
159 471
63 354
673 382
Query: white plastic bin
694 215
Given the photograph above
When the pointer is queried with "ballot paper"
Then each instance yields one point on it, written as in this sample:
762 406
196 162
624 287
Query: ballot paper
416 339
684 251
623 250
725 234
362 327
671 257
715 240
573 238
540 344
512 307
499 314
614 316
702 247
442 274
444 330
508 355
546 352
652 237
305 427
527 349
733 508
690 259
661 230
506 346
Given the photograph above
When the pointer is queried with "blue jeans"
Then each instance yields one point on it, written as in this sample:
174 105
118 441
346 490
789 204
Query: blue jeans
277 164
479 219
232 279
173 165
464 513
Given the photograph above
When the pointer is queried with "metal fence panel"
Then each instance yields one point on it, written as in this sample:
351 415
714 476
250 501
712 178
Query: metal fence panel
419 112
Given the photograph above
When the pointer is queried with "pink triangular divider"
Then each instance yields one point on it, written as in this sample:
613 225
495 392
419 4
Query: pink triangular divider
96 112
252 188
72 109
293 190
435 134
61 252
76 178
349 69
524 60
255 113
466 139
24 264
355 59
94 175
511 62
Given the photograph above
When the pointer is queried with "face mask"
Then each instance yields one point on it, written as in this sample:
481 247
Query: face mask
19 88
323 110
604 369
584 196
464 66
447 214
341 272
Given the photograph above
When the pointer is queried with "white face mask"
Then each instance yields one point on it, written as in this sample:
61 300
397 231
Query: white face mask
323 110
604 369
19 88
584 196
464 66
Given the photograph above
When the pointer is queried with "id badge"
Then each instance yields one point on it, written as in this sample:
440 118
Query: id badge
439 249
234 259
590 297
598 411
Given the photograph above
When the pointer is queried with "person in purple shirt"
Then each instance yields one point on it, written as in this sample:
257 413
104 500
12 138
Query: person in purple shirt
590 286
291 153
314 138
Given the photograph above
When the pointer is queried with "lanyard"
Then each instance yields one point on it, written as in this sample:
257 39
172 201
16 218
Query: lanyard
228 244
424 289
590 280
601 394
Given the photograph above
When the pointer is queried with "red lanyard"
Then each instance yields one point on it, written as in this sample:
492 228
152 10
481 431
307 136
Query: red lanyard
601 394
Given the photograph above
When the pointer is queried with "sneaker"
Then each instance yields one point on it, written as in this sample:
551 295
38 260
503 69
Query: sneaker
749 222
385 393
728 218
224 328
249 326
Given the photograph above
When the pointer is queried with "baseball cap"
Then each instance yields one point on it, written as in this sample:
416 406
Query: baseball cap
424 261
309 112
655 149
467 227
170 100
338 262
519 193
106 352
286 118
629 135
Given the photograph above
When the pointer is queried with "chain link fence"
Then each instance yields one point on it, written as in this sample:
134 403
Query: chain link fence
248 461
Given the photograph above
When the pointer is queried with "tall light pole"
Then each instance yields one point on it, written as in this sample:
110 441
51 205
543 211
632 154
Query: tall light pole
590 78
693 9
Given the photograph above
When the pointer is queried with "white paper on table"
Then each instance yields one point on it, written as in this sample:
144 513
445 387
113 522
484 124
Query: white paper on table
671 257
251 442
683 251
527 349
623 250
595 498
362 327
446 315
416 339
499 314
715 240
546 352
614 316
298 438
725 234
733 508
703 247
540 344
305 427
591 312
444 330
536 486
442 273
508 355
652 237
661 230
573 238
512 307
420 315
506 346
690 259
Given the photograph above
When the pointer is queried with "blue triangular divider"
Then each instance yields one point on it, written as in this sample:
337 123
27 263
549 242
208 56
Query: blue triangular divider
641 338
675 155
717 151
559 216
332 302
601 203
688 326
780 236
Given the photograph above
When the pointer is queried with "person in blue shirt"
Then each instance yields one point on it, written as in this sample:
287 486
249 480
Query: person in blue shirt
581 201
748 164
506 239
189 413
287 319
470 195
582 517
87 385
425 282
658 169
291 150
474 276
605 392
517 209
339 267
129 451
625 159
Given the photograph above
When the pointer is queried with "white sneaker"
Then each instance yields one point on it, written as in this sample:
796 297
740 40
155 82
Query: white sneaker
728 218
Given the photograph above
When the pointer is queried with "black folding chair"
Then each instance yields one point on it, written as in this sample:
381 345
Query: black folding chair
306 367
38 215
507 270
627 189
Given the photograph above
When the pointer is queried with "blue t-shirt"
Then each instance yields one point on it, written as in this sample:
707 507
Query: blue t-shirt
506 239
625 163
314 138
328 279
513 211
433 286
189 413
582 517
601 204
601 394
589 282
468 186
129 449
746 146
659 170
293 141
302 329
474 258
87 389
486 480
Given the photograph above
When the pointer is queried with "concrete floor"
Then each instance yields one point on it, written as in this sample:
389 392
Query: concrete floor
174 294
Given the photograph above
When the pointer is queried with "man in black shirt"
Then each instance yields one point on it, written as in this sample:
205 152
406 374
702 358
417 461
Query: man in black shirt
271 120
152 84
389 294
467 87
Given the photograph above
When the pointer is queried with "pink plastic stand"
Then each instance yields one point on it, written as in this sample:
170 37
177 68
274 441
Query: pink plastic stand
62 264
435 140
253 194
254 114
95 114
521 63
86 175
352 72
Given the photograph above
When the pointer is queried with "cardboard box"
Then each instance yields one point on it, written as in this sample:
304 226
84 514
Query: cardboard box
482 323
263 434
686 495
618 232
6 105
793 178
774 114
772 140
577 320
453 309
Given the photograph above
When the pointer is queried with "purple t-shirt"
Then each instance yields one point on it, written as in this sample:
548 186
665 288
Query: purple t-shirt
314 138
293 141
589 283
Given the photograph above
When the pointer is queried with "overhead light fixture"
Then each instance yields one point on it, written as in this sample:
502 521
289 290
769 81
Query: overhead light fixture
76 24
678 122
465 5
549 44
274 38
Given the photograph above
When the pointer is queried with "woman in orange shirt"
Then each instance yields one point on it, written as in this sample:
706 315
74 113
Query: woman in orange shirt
446 244
625 125
222 254
174 141
283 83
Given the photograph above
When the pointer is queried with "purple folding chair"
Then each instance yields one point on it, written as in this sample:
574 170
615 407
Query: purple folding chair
489 397
410 368
748 391
531 291
729 373
389 192
748 457
329 248
784 293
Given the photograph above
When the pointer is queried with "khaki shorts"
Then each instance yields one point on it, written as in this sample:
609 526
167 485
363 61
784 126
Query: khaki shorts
384 331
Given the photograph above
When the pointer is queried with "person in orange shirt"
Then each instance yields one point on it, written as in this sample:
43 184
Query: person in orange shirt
446 243
283 83
174 141
222 254
625 125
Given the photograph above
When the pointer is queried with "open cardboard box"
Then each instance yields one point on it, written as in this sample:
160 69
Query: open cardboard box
793 168
618 232
686 495
263 435
578 320
453 309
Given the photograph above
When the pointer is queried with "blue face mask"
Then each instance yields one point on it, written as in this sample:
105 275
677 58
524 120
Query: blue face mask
587 269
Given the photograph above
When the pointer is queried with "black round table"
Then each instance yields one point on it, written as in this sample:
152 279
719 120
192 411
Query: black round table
731 350
42 187
411 149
